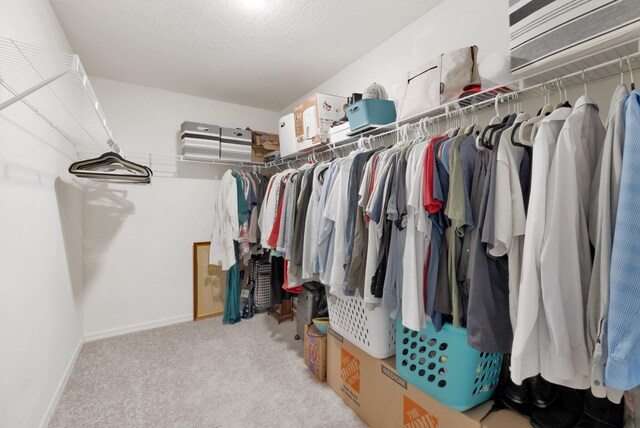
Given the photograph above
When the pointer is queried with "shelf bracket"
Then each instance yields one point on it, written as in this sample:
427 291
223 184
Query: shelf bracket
33 89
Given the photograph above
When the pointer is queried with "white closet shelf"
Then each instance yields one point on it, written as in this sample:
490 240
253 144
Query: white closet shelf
56 87
165 159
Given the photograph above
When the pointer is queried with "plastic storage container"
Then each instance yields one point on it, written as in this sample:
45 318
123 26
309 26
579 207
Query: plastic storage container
201 131
260 273
307 308
287 133
372 330
235 144
371 112
200 140
444 366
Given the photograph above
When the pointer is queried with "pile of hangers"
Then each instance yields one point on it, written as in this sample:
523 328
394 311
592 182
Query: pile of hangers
111 166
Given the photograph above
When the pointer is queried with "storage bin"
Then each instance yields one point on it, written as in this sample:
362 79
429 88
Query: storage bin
260 273
370 112
200 131
339 133
235 144
372 330
198 149
235 136
444 366
287 133
307 308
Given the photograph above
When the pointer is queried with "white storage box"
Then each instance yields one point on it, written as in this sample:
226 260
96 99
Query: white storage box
339 133
287 132
373 331
235 136
198 149
199 131
235 144
233 152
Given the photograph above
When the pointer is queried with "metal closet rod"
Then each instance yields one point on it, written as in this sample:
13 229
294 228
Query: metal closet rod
458 110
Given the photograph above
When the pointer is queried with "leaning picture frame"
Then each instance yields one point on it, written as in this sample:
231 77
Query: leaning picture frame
209 284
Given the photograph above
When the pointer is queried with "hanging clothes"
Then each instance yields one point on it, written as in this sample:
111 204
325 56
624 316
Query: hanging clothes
510 215
605 189
225 223
309 250
623 333
231 314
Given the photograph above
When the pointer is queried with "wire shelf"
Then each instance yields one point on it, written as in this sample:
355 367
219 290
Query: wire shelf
588 69
56 87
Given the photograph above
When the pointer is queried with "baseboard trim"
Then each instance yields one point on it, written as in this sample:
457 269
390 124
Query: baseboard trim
63 382
132 328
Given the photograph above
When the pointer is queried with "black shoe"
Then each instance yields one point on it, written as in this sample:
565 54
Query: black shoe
542 393
601 413
565 411
516 397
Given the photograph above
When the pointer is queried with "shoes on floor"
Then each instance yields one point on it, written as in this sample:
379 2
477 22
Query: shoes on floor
600 413
542 393
565 412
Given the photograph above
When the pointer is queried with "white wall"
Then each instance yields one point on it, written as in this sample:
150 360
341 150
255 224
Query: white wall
138 239
451 25
41 245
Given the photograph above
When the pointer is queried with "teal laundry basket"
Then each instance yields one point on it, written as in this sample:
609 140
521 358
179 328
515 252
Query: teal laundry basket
445 367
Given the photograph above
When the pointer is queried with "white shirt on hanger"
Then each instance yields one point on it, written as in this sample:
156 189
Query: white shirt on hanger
336 211
532 333
416 243
225 223
510 217
565 258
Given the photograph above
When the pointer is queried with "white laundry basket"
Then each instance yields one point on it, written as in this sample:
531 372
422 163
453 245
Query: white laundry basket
372 330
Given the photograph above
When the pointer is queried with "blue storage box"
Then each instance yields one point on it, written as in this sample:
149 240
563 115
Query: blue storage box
445 367
370 112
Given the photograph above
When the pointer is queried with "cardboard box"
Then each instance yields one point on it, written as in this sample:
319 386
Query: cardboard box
313 118
315 351
264 146
352 374
375 391
262 156
407 406
265 140
505 419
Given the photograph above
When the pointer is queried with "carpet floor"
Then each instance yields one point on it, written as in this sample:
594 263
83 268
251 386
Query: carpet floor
200 374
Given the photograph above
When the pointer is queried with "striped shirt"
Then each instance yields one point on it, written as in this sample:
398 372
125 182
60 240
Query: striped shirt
623 363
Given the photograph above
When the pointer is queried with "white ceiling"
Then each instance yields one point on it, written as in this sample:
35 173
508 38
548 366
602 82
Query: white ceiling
264 57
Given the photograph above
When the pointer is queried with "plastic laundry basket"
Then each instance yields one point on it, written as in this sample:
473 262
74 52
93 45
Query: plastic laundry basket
444 366
372 330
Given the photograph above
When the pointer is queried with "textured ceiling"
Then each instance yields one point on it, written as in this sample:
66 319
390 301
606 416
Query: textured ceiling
223 49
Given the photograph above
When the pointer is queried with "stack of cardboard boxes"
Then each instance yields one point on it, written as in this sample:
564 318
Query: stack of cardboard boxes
308 126
375 391
264 146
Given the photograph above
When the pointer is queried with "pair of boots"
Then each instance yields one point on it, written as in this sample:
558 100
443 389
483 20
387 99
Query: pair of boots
579 409
534 393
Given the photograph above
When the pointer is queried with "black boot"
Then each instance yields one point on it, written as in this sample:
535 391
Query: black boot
542 392
601 413
565 411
